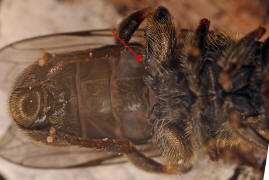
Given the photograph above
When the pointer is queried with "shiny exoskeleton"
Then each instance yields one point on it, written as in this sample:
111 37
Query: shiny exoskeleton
194 89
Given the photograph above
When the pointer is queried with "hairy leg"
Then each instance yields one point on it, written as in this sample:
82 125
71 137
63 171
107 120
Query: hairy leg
120 146
131 23
237 55
170 116
265 84
160 34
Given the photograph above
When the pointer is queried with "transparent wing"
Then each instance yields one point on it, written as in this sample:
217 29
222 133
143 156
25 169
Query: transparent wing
16 56
18 148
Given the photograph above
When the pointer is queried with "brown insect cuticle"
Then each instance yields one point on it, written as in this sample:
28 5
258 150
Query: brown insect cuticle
235 119
45 57
25 106
50 139
224 79
260 32
202 90
52 131
205 22
195 52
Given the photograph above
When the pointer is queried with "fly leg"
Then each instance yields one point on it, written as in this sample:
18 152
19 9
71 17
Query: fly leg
265 84
119 146
174 141
170 116
236 56
191 55
130 24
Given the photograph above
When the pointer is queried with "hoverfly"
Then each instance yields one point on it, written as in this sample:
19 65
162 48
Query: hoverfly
194 90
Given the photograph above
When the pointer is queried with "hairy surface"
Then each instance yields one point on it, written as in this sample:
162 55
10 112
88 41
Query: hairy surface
207 88
202 90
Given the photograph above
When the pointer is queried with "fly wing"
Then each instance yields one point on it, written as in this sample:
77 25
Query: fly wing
17 147
16 56
22 150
